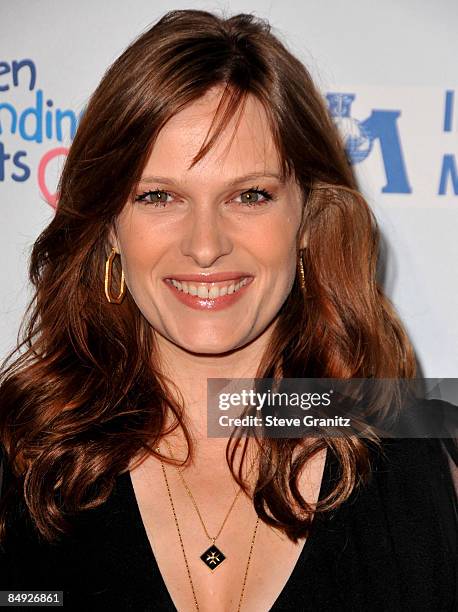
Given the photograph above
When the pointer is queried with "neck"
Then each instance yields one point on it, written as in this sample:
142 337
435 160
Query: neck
190 372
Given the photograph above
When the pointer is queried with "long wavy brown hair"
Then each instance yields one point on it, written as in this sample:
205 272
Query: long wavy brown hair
82 394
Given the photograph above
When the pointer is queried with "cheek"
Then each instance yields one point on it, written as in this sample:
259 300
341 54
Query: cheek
275 249
141 246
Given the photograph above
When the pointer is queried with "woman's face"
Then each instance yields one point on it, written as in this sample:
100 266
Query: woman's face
196 234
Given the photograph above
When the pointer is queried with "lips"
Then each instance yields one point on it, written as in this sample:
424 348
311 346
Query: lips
209 290
214 277
200 295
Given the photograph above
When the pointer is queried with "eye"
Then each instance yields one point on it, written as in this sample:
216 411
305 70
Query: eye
156 198
255 197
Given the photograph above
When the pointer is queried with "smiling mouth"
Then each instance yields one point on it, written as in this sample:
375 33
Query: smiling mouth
209 290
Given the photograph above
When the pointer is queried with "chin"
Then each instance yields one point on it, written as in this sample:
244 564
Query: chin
206 344
209 348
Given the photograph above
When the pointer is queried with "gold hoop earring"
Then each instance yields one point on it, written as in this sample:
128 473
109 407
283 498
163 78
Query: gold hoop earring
108 277
301 270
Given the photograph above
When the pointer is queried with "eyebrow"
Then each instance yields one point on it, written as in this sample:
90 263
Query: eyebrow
235 181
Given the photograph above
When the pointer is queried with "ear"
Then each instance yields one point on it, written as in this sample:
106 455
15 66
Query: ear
304 239
113 239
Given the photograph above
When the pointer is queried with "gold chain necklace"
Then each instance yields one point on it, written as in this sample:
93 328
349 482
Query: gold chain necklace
213 556
209 557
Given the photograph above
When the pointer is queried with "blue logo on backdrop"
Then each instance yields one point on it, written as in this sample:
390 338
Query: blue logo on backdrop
359 137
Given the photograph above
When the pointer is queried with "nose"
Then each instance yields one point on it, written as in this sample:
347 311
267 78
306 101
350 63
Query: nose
205 238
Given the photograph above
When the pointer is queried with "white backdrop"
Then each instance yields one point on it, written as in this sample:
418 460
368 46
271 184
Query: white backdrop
388 71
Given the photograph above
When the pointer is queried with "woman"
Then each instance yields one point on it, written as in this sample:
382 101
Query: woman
209 226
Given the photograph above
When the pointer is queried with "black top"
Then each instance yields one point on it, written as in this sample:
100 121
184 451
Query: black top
391 546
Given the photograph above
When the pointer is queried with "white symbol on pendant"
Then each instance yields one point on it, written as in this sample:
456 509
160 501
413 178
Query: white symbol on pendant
213 558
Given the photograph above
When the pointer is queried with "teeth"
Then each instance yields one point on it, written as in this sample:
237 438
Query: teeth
203 291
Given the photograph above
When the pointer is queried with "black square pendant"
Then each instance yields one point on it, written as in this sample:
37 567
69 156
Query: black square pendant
212 557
